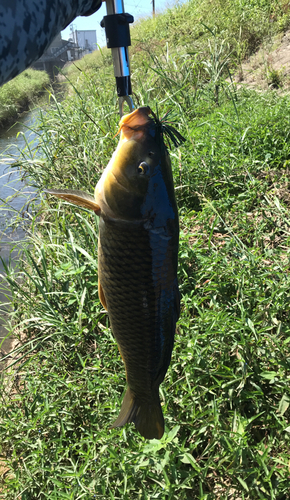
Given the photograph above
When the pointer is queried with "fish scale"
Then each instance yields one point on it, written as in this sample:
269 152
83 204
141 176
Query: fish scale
124 282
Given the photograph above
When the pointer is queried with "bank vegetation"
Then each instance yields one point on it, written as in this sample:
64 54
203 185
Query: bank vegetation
19 93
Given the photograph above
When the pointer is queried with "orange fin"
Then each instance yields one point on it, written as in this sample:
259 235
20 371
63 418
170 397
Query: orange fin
77 198
146 415
102 296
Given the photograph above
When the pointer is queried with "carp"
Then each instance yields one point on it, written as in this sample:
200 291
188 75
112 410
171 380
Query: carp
137 260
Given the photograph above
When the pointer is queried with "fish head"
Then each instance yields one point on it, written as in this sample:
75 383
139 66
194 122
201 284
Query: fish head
139 174
124 184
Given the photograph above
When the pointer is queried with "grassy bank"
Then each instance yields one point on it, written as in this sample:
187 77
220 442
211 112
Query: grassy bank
226 395
16 95
240 25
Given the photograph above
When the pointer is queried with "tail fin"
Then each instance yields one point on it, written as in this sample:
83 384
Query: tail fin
146 415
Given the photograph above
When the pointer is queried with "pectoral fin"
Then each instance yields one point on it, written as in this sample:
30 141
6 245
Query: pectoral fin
102 296
77 198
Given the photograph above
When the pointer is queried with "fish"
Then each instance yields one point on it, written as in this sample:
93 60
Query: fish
138 259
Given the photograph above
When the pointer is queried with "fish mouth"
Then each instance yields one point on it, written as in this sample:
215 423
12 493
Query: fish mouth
132 125
137 118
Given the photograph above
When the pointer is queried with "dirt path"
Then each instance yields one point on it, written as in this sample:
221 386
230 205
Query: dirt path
269 67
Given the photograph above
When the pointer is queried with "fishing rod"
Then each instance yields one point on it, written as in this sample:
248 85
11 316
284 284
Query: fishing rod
116 24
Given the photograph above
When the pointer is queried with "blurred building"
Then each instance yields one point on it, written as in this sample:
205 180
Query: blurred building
86 40
58 54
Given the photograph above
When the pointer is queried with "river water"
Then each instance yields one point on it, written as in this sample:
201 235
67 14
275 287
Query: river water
16 193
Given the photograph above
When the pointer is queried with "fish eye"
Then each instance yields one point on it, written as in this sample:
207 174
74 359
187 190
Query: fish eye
142 168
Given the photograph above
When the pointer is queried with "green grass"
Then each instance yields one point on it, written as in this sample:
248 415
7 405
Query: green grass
241 25
17 94
226 395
